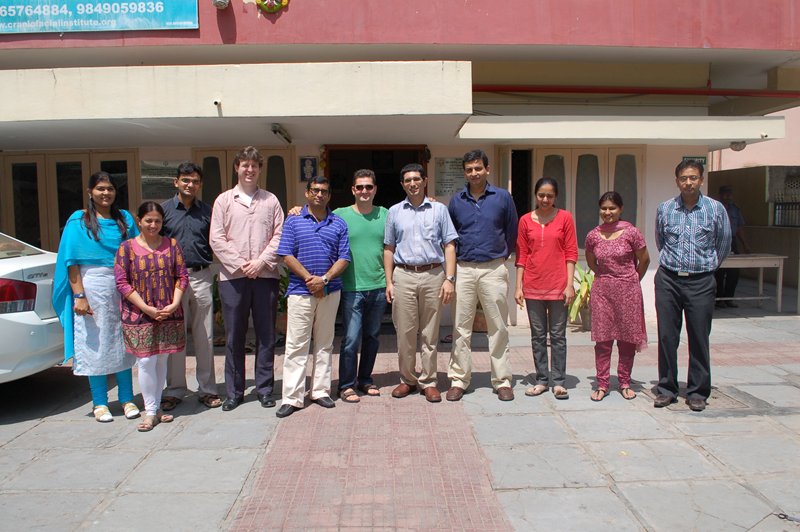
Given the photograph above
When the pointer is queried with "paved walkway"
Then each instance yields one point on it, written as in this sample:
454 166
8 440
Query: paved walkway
532 464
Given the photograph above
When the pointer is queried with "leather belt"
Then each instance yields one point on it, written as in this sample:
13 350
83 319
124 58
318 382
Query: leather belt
195 269
423 268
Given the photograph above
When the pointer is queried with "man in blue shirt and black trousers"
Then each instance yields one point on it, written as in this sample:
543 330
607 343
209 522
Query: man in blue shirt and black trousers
694 237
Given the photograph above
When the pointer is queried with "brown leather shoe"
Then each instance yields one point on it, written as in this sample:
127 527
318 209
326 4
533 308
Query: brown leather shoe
432 394
505 393
663 400
696 405
403 390
454 393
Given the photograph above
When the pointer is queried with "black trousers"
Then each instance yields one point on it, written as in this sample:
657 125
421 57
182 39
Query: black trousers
692 296
240 298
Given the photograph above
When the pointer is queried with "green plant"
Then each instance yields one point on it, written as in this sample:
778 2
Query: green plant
283 285
584 279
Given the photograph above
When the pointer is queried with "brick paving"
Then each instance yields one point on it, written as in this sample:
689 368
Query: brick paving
382 463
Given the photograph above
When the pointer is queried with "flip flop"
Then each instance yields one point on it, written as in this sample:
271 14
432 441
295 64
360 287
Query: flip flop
560 392
599 394
627 393
147 424
209 399
533 391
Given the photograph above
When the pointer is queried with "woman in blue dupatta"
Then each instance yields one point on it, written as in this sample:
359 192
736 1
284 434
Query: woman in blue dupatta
86 299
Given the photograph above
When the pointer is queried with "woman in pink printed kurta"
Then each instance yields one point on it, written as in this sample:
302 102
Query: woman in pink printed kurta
617 253
151 276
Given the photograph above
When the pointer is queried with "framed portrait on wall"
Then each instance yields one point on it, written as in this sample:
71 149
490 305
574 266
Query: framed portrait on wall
308 167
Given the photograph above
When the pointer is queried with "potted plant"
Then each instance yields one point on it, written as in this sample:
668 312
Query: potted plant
584 278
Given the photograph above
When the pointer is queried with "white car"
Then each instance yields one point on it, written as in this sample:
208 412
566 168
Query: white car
31 337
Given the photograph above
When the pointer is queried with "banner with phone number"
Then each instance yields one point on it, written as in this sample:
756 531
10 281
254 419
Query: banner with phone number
60 16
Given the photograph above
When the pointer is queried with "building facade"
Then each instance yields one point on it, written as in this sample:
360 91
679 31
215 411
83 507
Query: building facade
601 95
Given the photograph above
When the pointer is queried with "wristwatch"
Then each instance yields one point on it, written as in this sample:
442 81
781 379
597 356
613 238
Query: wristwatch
79 295
325 280
451 278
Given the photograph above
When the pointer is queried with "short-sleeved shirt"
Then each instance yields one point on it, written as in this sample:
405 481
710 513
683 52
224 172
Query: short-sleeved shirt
190 227
692 241
365 232
316 245
418 234
487 227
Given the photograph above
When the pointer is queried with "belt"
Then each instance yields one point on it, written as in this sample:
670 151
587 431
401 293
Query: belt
685 274
423 268
194 269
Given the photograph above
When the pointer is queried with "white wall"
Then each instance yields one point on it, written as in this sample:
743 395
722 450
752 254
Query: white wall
779 152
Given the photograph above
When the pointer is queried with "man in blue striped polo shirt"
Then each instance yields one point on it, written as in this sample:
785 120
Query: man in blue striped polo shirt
694 237
315 248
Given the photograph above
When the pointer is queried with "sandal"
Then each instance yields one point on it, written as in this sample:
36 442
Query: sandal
147 424
627 393
209 399
560 392
533 391
599 394
131 410
369 389
164 418
102 414
169 403
349 395
447 339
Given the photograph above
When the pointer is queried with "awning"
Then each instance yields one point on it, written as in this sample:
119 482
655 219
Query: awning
714 132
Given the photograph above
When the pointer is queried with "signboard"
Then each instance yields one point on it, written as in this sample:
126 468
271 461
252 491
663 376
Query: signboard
449 175
699 158
61 16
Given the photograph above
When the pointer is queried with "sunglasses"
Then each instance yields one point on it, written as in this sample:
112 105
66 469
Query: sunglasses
359 188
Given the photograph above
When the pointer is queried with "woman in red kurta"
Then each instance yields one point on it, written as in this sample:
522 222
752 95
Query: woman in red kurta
547 251
617 253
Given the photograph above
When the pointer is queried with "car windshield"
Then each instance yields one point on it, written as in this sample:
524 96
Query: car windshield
14 248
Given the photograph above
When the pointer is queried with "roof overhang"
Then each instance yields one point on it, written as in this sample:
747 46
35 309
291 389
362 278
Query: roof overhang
714 132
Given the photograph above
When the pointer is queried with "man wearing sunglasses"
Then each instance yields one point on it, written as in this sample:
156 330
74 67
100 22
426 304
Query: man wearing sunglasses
315 247
694 237
364 289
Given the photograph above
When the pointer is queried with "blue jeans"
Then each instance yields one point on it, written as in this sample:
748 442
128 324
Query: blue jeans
361 318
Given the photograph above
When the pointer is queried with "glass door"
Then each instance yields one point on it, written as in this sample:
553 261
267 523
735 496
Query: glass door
121 166
66 182
25 217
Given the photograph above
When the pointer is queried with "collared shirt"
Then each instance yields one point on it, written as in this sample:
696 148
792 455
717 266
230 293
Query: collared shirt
418 233
190 227
692 241
316 245
241 233
487 227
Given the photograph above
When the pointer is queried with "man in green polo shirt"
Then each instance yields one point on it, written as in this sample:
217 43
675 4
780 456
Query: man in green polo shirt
364 289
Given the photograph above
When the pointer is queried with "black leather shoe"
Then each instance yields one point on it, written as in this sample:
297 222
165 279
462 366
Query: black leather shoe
266 400
286 410
325 402
663 400
696 405
230 404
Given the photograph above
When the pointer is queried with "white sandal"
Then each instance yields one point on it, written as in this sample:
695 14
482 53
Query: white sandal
131 410
102 414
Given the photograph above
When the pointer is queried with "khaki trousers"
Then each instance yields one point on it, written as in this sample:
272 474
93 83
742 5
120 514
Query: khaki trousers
415 309
487 283
308 318
198 311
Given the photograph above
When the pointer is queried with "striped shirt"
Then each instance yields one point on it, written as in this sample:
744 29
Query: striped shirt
692 241
316 245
